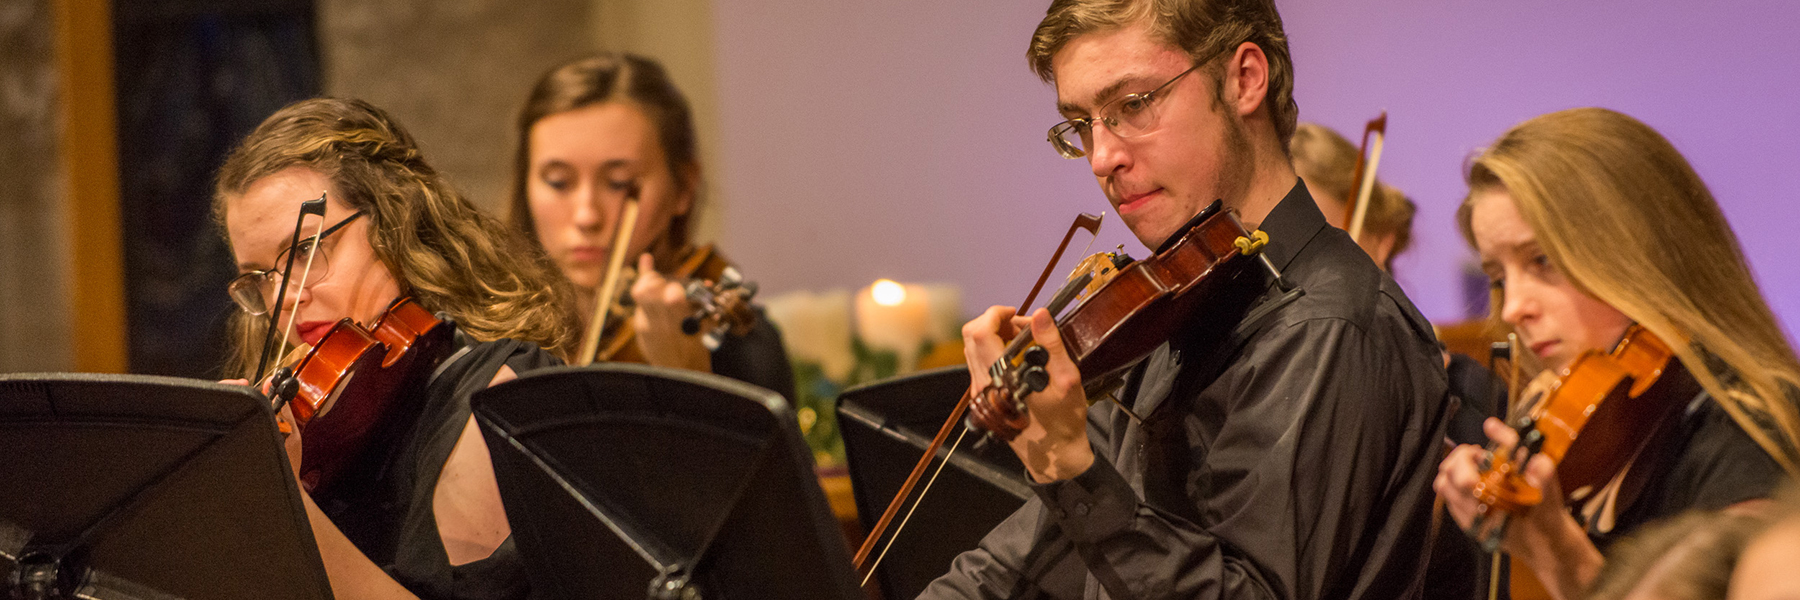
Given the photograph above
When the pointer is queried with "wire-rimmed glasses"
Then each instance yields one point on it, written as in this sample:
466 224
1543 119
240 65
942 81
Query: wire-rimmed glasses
252 291
1130 115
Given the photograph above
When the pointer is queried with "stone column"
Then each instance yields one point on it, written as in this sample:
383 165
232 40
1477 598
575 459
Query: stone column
455 73
34 255
679 34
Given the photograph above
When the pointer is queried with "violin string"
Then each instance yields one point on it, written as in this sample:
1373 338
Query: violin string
915 507
311 252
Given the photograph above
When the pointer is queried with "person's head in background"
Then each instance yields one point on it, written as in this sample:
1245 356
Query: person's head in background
1688 557
1766 570
1327 163
589 124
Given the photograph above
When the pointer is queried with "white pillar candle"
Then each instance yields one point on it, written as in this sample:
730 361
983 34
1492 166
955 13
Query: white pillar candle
894 317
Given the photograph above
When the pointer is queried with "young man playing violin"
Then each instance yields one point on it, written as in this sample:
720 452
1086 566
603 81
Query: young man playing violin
1287 444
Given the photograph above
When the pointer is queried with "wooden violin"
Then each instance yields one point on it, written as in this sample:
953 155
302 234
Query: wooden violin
715 288
354 380
1124 309
1601 414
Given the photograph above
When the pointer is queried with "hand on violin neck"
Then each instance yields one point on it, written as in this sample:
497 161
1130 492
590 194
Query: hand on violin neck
1054 444
1546 537
984 339
661 305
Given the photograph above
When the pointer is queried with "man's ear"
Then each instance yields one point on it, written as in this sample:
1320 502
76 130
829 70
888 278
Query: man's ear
1246 79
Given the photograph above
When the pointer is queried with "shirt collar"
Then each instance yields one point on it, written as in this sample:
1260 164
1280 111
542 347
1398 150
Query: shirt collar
1291 225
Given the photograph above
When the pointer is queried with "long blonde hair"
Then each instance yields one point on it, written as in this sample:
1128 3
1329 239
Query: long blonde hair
1619 211
445 253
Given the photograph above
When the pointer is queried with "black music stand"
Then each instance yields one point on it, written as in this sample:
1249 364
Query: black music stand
141 487
630 481
886 427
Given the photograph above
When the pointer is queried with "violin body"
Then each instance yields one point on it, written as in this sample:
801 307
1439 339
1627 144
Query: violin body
1125 316
720 292
1604 412
352 383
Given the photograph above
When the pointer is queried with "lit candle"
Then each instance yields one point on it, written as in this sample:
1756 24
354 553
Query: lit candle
894 317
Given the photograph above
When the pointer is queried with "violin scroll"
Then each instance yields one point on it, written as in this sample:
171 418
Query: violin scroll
717 290
1604 412
725 302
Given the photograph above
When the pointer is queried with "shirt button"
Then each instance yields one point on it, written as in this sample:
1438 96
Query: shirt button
1081 509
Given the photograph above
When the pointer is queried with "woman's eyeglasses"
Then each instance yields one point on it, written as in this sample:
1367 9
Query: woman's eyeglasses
252 291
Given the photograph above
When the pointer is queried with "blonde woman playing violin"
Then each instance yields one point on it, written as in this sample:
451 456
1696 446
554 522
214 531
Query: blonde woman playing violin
1588 221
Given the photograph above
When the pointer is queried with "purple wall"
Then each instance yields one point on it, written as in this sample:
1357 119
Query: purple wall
906 140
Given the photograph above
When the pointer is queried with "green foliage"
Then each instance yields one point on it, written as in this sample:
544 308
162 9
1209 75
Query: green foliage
816 397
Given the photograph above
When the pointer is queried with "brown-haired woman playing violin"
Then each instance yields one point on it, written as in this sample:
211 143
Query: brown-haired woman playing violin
421 515
592 132
1587 222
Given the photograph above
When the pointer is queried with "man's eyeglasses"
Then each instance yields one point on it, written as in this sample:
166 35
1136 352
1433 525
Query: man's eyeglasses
1130 115
252 291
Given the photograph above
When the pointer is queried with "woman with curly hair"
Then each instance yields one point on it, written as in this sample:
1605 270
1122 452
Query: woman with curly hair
420 514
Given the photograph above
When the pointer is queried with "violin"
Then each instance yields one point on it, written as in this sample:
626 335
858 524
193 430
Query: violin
715 288
1600 415
350 384
1123 310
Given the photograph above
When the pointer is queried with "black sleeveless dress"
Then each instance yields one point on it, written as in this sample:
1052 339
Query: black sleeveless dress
385 506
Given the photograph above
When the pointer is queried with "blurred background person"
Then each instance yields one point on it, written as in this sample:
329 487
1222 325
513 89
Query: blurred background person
589 129
1327 163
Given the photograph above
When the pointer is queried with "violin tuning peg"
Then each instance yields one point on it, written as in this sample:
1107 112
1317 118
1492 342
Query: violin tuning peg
1037 356
1533 440
1035 379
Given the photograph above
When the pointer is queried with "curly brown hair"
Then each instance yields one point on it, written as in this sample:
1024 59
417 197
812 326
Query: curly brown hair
443 251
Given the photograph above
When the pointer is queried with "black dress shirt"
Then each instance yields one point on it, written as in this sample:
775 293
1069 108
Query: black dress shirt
1286 451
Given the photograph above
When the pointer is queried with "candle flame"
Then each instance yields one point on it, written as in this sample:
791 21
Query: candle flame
887 292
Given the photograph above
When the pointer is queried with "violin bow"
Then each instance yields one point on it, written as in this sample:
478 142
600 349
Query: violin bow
615 263
1082 221
315 206
1367 159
